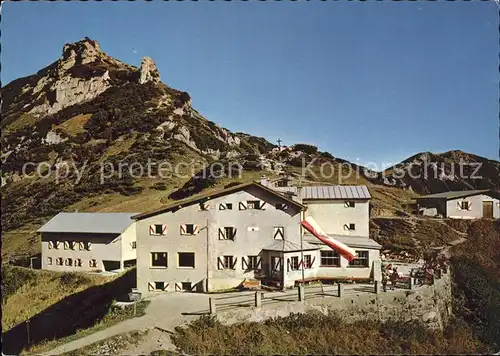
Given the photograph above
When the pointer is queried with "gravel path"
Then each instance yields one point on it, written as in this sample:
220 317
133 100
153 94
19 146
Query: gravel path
165 311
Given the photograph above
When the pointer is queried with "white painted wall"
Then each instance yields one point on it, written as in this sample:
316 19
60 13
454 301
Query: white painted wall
206 244
476 210
331 215
127 237
103 247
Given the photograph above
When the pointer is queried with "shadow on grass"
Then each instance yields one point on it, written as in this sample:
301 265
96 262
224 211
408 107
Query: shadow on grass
78 311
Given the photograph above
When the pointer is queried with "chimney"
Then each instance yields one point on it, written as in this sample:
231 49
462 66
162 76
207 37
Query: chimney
264 181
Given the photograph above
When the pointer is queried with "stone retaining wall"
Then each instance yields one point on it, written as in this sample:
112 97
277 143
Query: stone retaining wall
430 304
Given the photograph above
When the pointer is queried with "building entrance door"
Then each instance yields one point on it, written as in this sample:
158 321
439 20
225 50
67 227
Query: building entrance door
488 209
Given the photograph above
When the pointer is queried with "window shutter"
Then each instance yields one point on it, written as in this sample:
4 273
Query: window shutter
222 206
51 245
81 245
287 264
459 205
312 261
244 263
152 230
242 205
183 229
164 229
259 263
233 266
89 244
469 206
222 235
195 229
151 286
279 232
220 263
66 245
234 233
178 286
262 205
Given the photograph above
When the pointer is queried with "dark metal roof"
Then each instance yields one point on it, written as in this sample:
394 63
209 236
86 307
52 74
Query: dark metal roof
215 194
90 223
335 192
288 246
458 194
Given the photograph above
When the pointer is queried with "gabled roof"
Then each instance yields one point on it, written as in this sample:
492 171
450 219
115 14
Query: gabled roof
459 194
288 246
215 194
335 192
90 223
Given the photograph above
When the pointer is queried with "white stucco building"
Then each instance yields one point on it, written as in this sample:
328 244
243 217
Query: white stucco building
468 204
88 242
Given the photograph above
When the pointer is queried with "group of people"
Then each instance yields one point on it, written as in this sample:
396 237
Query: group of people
389 274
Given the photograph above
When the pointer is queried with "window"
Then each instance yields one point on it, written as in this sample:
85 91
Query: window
253 204
361 259
71 245
159 285
81 245
464 205
276 263
189 229
50 245
279 233
227 233
253 262
228 262
68 262
66 245
330 259
56 244
158 229
78 262
294 263
87 245
226 206
204 206
158 259
282 183
93 263
350 227
59 261
307 261
134 245
349 204
186 286
186 259
49 261
281 206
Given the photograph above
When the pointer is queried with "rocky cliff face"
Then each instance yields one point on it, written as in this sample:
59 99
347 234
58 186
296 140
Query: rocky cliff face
87 108
149 72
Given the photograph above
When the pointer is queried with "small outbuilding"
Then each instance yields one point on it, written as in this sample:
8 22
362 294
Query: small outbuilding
468 204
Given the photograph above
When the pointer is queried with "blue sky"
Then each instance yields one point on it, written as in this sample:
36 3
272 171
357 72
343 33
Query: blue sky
368 82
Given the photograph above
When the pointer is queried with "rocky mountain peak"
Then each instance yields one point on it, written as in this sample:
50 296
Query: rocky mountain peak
81 52
149 71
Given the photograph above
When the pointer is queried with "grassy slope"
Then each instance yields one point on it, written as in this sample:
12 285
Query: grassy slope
477 280
59 304
27 292
318 334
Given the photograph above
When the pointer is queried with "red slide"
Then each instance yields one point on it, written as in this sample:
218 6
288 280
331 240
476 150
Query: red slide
312 226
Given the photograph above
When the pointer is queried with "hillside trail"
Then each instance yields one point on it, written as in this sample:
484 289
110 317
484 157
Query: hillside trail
165 312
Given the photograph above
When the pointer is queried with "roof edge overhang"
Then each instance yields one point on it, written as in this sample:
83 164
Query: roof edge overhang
208 196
